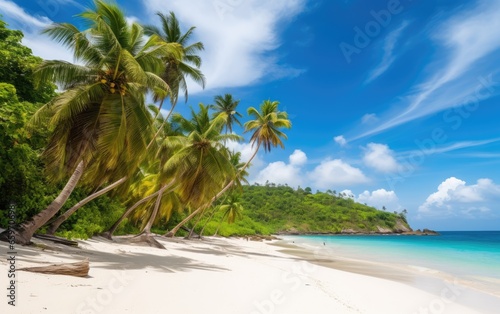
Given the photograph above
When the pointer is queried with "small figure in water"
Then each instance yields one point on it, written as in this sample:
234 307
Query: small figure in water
324 243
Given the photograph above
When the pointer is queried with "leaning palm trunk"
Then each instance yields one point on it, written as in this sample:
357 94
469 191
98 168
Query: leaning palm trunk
162 124
218 227
147 228
112 230
56 223
172 232
194 226
208 220
26 230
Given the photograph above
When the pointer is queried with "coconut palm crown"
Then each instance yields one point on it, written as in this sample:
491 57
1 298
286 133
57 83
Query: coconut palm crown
101 113
178 69
266 125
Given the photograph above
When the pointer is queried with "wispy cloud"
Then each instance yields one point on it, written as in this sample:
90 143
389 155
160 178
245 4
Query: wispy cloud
340 140
17 14
466 40
484 155
451 147
369 118
31 26
238 36
388 57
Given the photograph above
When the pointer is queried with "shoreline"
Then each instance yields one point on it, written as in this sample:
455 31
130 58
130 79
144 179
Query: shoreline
422 278
223 275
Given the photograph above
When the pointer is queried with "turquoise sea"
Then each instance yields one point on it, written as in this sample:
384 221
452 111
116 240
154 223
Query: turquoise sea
469 260
467 254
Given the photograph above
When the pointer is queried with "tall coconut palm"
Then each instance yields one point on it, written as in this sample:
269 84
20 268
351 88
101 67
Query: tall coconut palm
204 162
147 185
175 73
101 117
240 177
56 223
266 132
227 104
178 69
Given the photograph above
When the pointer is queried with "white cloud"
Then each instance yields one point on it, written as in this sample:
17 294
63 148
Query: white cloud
454 197
380 158
298 158
331 173
247 150
282 173
460 74
388 58
347 194
238 36
46 48
31 27
340 140
369 118
16 13
380 198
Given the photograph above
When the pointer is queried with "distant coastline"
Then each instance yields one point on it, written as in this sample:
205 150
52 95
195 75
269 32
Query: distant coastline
418 232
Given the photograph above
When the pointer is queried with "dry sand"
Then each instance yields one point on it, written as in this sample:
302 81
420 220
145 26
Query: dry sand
215 275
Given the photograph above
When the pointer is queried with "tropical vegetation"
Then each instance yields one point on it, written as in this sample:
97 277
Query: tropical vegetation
83 153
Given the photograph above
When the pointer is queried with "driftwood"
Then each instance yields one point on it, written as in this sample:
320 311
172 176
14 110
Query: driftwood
55 239
78 269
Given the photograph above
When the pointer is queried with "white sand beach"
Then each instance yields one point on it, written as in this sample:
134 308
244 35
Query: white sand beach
214 275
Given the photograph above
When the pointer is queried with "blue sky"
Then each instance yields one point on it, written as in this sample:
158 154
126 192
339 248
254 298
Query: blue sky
393 102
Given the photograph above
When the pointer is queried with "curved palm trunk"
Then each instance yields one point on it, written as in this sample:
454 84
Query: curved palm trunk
26 230
56 223
112 230
172 232
161 126
220 224
208 220
147 228
190 235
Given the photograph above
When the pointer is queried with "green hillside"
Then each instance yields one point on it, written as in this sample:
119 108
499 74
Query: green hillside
281 209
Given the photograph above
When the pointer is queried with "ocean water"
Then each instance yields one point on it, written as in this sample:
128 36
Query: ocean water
467 254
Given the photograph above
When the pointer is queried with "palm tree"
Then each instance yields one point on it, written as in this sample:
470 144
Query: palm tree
175 73
231 210
200 163
203 162
54 225
266 133
161 126
227 105
241 175
101 124
177 69
146 184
